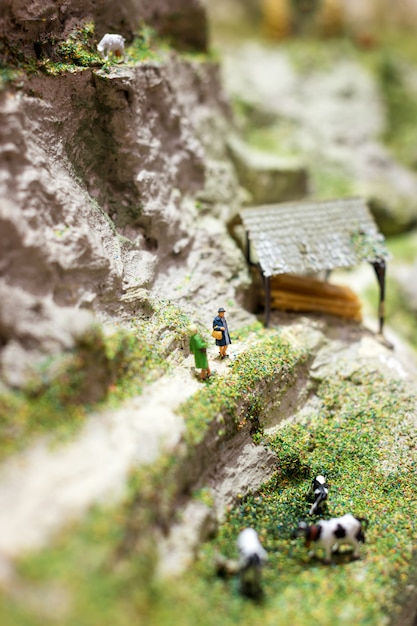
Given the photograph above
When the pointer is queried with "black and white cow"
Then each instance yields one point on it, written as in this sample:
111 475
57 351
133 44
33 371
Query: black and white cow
332 533
252 557
318 490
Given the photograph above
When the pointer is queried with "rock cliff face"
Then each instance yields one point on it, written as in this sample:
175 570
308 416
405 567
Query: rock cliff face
36 26
112 179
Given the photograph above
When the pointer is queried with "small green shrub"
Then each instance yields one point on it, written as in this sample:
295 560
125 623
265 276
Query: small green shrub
79 48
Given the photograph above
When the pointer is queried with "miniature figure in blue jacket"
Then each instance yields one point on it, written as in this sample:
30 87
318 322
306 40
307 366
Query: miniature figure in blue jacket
219 323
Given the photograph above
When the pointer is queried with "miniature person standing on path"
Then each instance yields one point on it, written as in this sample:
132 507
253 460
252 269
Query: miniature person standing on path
219 323
199 348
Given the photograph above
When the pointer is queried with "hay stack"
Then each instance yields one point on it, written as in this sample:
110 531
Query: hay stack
302 293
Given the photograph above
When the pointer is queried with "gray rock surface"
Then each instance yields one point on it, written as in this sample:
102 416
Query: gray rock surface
337 118
266 177
99 174
45 21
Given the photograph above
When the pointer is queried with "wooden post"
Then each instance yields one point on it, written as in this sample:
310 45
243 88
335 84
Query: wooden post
379 267
267 288
248 248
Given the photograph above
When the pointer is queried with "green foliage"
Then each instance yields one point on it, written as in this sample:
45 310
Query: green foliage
237 398
369 246
143 47
77 52
361 437
392 63
7 75
401 106
275 138
399 314
79 49
56 69
289 449
245 332
81 572
58 399
166 329
329 180
205 496
310 55
403 248
13 65
104 369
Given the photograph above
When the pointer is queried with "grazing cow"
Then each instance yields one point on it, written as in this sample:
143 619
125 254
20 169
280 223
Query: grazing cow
332 533
319 490
252 558
111 44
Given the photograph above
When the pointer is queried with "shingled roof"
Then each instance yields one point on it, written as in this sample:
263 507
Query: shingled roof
299 237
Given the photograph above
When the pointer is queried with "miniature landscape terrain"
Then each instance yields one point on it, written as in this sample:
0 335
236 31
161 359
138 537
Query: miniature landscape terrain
123 477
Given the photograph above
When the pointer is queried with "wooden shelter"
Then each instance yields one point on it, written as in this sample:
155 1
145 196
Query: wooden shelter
310 237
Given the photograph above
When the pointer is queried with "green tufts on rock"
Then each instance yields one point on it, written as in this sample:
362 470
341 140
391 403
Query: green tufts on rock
237 398
79 48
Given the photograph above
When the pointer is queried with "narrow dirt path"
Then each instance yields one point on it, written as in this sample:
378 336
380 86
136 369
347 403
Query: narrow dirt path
45 487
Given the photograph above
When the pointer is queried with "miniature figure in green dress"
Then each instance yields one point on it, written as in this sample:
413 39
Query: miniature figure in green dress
199 348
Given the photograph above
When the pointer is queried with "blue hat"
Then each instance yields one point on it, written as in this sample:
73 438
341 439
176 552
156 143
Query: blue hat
221 310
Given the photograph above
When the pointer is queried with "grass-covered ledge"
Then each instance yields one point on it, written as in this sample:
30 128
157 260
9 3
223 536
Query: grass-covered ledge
105 368
239 397
363 439
362 436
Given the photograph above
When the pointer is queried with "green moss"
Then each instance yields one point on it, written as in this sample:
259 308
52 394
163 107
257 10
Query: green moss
401 104
237 398
7 75
166 328
77 53
361 437
369 246
398 313
330 181
205 496
79 48
277 138
91 583
391 61
363 441
403 248
311 54
100 571
244 332
103 370
145 46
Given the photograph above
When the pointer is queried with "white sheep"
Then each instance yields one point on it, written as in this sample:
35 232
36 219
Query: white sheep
332 533
111 44
252 557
